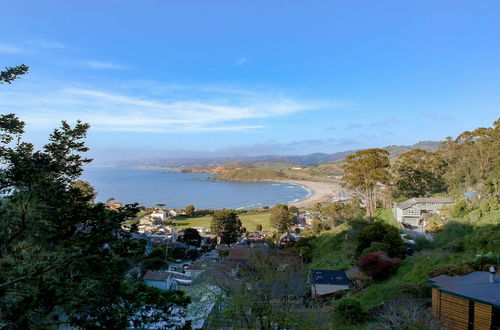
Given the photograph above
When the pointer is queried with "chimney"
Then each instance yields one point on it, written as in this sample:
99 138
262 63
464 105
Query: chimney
492 274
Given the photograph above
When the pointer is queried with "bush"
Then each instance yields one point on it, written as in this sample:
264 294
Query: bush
375 247
223 253
434 224
460 209
154 263
349 311
382 233
451 270
417 291
406 314
378 265
422 243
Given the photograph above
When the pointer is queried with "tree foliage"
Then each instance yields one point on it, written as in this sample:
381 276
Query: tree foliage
189 210
382 233
419 173
60 253
191 236
227 225
365 172
281 218
12 73
378 265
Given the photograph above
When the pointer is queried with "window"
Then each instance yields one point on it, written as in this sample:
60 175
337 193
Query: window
411 211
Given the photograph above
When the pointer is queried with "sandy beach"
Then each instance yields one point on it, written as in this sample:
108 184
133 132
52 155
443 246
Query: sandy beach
320 192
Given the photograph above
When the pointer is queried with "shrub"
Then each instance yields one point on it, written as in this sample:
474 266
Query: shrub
349 311
154 263
406 314
422 243
383 233
460 209
223 253
378 265
451 270
434 224
375 247
416 291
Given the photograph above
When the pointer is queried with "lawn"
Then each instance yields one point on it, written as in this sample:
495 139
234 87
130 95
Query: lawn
249 221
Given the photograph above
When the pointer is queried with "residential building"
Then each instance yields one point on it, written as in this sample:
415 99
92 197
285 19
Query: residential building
466 302
415 210
327 282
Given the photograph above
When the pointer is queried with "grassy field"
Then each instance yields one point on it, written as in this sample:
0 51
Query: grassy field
249 220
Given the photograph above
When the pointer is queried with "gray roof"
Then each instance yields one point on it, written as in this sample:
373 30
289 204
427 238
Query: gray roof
410 202
332 277
474 286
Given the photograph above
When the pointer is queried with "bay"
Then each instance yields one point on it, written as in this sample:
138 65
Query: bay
149 187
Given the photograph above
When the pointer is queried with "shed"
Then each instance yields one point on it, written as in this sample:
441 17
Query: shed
327 282
466 302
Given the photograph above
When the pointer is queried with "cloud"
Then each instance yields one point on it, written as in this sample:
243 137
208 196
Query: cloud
46 44
354 126
241 61
136 111
387 121
9 49
435 116
103 65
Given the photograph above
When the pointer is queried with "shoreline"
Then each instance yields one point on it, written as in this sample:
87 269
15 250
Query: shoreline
320 191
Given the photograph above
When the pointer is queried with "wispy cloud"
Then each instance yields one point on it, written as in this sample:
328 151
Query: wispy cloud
10 49
387 121
241 61
46 44
121 111
354 126
103 65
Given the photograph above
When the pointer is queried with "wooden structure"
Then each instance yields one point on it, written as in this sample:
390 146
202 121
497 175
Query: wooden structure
469 302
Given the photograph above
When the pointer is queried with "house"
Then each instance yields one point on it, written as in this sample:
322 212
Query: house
286 239
160 279
471 301
327 282
114 206
413 211
159 214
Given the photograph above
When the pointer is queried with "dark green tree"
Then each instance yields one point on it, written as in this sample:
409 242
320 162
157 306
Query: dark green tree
12 73
387 235
191 237
419 173
60 253
227 225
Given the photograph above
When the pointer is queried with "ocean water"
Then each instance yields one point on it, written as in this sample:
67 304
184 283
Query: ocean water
177 190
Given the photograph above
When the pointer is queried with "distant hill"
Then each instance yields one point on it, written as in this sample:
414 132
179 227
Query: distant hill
275 162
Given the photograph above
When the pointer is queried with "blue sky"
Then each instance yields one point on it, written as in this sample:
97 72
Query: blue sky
168 79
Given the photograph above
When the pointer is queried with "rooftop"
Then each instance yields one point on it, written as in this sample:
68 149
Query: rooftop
413 201
475 286
332 277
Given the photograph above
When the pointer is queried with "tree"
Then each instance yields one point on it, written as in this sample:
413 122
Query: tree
364 172
258 227
191 237
86 189
226 225
419 173
293 209
281 219
12 73
189 210
60 251
381 233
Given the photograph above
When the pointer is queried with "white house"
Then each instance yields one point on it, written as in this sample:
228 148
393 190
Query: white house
159 214
161 280
414 210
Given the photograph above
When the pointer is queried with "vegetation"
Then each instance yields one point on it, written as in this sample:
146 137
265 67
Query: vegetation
364 171
60 253
349 311
281 218
226 225
191 236
189 210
